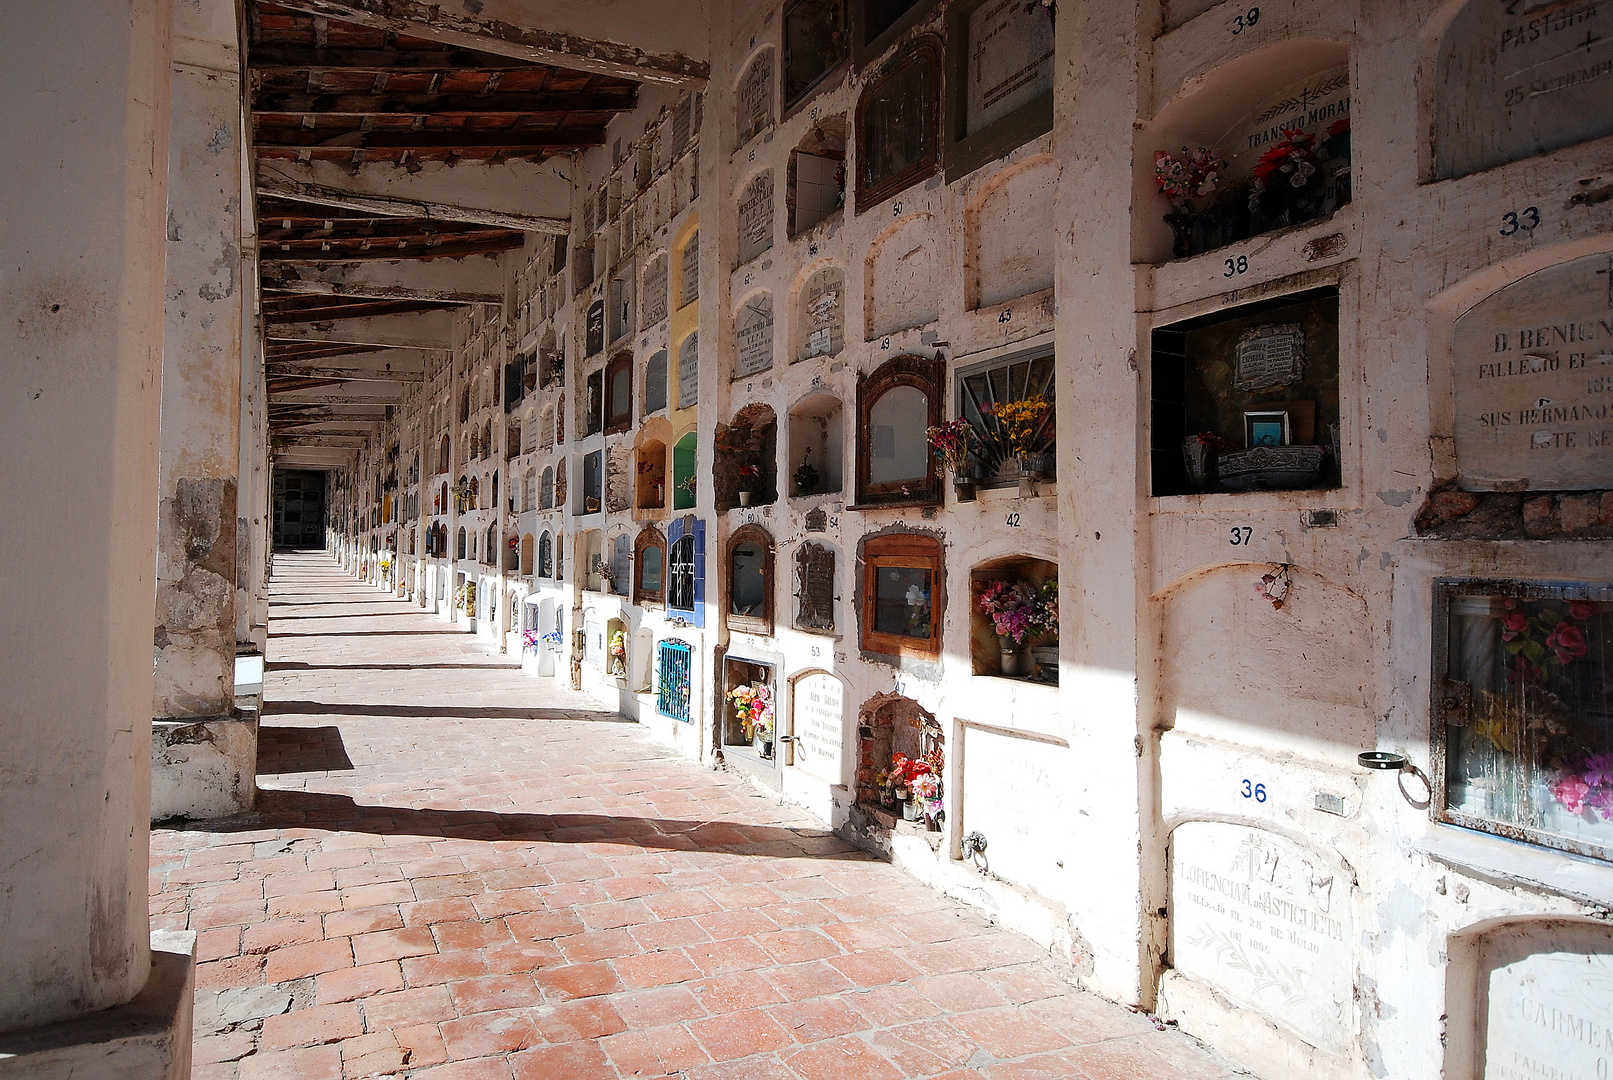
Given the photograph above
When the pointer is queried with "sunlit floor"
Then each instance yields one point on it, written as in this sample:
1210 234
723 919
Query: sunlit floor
461 872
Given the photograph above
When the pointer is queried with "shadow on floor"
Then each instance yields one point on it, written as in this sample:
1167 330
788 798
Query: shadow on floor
339 813
446 712
416 612
354 633
296 750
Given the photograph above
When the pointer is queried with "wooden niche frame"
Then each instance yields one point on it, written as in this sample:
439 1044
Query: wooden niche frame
924 49
621 366
751 624
910 551
648 537
921 374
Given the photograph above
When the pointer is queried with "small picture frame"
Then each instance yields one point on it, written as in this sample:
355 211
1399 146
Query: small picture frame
1266 428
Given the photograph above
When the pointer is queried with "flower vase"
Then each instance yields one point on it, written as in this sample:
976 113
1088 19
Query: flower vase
1027 478
1181 233
744 498
763 745
1010 655
912 810
963 488
1200 462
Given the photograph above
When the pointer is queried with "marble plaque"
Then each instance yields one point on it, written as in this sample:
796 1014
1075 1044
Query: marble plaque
655 383
1550 1015
1010 59
1014 793
594 641
1533 382
815 580
689 371
1518 79
1269 356
1314 105
819 719
689 270
1267 923
823 320
653 306
681 116
756 217
755 97
754 331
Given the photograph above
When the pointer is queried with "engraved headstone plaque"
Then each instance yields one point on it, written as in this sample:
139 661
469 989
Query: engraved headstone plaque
755 98
655 388
1269 356
815 595
1010 59
1548 989
1533 380
817 520
819 720
756 217
653 305
1314 105
594 641
1015 793
823 320
689 371
1266 923
689 270
681 116
755 336
1516 79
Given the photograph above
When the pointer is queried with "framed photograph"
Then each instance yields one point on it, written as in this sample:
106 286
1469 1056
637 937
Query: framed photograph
1266 428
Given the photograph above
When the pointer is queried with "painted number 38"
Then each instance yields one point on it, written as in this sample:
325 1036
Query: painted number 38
1257 792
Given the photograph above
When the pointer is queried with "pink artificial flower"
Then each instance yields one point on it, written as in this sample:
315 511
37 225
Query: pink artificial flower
1602 800
1513 625
1599 769
1571 792
1567 641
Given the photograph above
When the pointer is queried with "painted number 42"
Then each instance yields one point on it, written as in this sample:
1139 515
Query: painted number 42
1257 792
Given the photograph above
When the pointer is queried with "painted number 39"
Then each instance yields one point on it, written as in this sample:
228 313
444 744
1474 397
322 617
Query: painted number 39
1240 23
1257 792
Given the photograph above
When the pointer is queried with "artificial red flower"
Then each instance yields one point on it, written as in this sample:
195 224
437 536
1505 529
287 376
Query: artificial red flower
1513 625
1567 641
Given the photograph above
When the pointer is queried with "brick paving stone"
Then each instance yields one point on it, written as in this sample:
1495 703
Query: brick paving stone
527 893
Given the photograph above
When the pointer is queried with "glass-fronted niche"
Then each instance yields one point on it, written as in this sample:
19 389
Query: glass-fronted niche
1523 711
1247 398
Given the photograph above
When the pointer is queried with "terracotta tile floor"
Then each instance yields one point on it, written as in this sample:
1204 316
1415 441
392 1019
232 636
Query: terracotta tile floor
458 871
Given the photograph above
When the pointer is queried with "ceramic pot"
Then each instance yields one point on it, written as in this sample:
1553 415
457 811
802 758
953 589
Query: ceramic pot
744 498
911 811
1010 658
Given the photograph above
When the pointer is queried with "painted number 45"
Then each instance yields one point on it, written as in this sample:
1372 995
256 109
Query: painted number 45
1257 792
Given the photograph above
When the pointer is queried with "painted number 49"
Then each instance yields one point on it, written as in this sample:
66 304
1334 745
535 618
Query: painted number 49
1257 792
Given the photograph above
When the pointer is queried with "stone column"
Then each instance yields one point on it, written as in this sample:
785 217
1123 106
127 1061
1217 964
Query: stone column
87 87
203 753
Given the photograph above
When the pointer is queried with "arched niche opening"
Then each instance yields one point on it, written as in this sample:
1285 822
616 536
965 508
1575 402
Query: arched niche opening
591 561
684 477
749 578
753 97
1013 618
545 557
821 314
443 454
616 648
816 176
889 724
620 557
651 477
655 383
459 546
755 212
526 555
745 453
1011 238
1278 119
649 566
817 440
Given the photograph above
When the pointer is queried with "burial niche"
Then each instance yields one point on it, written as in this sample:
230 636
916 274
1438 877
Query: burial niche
817 720
815 44
754 98
753 351
1522 362
822 314
1512 81
816 446
815 587
887 725
816 176
1011 236
899 290
745 451
1231 158
689 372
756 216
1247 398
898 122
654 306
655 383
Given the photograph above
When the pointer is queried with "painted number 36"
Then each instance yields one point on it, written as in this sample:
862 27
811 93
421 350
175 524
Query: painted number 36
1257 792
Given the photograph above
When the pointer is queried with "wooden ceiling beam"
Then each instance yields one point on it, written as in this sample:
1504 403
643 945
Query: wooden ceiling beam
422 247
553 104
282 59
276 184
518 141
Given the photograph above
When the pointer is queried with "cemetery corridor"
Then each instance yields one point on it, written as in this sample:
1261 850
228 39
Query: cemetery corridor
458 871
